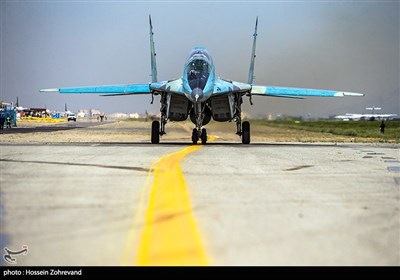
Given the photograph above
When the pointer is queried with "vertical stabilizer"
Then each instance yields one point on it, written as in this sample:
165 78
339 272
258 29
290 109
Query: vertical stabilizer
153 55
253 55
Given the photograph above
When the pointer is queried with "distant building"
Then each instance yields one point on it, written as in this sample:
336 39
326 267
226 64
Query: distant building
83 113
366 117
94 113
118 115
134 115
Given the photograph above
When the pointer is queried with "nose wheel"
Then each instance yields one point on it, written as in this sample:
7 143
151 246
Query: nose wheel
196 137
203 136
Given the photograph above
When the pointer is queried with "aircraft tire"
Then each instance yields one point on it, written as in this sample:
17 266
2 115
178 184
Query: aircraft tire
246 132
195 137
155 132
203 136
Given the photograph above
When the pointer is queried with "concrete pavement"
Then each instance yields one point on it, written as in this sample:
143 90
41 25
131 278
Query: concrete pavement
297 204
262 204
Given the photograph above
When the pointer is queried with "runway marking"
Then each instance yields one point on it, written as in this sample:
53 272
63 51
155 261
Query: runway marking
298 167
128 253
77 164
394 168
392 161
170 235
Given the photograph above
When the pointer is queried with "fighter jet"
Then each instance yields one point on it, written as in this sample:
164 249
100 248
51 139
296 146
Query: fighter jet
200 95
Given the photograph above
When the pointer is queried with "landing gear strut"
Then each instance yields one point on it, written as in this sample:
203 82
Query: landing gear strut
242 129
199 115
163 111
157 127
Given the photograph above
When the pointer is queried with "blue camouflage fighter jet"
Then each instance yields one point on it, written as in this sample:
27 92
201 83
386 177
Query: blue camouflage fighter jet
200 95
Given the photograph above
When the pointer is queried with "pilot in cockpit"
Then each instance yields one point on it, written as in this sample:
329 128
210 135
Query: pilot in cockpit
193 73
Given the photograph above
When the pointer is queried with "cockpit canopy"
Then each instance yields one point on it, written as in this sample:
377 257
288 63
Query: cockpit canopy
198 65
198 68
200 52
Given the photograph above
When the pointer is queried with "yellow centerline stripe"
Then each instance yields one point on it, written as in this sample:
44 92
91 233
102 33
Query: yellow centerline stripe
170 235
128 252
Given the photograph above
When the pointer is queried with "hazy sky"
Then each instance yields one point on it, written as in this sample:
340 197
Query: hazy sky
338 45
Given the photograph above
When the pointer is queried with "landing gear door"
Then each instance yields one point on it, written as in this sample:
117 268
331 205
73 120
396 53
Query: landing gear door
168 102
231 99
223 107
178 107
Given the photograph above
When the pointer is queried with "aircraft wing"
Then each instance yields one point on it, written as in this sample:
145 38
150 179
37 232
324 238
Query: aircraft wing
222 86
108 90
298 92
174 86
225 86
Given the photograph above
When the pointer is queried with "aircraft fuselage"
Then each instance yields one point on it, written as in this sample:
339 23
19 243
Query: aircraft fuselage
198 76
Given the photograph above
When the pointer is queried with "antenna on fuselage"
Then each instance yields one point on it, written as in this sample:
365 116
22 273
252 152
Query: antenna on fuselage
152 54
252 60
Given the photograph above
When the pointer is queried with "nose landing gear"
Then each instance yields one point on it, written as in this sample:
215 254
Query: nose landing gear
203 136
196 136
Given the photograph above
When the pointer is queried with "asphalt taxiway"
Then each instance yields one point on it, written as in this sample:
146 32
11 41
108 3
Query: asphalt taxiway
258 204
46 127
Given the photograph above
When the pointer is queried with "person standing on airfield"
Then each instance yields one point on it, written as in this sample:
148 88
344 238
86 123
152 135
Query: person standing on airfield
2 120
8 120
382 127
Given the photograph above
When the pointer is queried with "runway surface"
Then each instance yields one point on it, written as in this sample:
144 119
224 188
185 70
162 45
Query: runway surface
260 204
43 127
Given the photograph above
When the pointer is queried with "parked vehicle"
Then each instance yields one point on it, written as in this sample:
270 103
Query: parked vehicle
71 117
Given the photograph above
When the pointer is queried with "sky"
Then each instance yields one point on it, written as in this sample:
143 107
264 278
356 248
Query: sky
337 45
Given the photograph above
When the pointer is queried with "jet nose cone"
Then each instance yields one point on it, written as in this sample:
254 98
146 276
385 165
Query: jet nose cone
197 94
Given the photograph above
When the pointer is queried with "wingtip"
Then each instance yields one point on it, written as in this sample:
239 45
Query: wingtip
344 93
49 90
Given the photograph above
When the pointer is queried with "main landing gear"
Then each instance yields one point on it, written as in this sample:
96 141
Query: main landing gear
243 130
155 132
246 132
